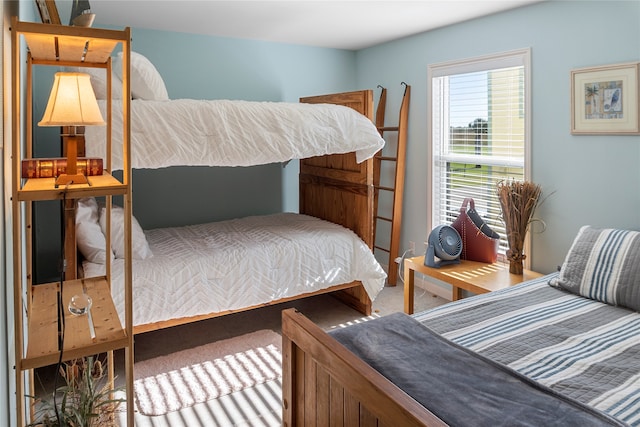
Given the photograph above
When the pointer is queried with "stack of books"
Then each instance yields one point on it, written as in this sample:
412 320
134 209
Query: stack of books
55 166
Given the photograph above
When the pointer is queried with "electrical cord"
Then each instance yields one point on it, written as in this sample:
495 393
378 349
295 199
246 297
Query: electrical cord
401 265
401 270
61 322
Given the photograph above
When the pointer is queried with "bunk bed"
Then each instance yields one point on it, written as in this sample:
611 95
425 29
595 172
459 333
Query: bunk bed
557 350
335 139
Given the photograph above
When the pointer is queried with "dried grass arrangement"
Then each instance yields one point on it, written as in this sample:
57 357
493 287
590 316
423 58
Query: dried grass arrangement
519 200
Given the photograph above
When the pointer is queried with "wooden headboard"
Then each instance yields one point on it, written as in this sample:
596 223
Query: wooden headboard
335 187
338 189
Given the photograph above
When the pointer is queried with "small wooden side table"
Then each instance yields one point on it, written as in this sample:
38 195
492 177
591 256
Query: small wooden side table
472 276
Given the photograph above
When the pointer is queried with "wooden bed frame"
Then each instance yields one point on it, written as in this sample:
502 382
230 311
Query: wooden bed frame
323 383
332 187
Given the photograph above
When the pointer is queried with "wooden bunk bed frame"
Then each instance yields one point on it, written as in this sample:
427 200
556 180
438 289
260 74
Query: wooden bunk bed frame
332 187
323 383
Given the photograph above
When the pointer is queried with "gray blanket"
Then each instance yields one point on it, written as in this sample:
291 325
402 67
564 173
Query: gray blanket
459 386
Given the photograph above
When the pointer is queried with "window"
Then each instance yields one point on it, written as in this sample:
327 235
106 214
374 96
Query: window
479 134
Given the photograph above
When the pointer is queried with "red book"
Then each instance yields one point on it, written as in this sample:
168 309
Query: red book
54 167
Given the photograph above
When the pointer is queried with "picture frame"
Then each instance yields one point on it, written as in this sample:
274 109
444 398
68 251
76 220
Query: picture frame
604 100
48 11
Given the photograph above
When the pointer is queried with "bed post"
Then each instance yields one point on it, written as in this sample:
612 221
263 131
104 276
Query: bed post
288 387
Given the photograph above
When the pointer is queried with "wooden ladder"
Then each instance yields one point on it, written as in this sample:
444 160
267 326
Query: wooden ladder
397 189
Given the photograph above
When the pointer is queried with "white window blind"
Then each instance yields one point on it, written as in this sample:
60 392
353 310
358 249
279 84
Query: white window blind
479 134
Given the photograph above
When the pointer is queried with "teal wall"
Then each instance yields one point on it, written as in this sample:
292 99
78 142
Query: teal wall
589 179
205 67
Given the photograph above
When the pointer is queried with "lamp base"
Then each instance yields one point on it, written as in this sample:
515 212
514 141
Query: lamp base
65 179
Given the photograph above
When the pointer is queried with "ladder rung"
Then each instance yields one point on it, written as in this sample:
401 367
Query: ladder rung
392 159
377 187
384 218
388 128
381 248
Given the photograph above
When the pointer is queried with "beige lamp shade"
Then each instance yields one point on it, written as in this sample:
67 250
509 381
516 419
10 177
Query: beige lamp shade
72 102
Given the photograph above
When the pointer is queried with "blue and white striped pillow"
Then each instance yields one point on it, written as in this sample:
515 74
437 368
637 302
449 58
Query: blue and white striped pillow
604 265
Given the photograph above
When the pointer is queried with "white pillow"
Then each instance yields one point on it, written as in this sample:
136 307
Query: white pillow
87 210
99 81
146 81
139 245
89 237
91 242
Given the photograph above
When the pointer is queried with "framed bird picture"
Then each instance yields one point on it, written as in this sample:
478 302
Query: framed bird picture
604 100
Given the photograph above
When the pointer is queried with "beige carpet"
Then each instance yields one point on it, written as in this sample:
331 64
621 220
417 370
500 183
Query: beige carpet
179 380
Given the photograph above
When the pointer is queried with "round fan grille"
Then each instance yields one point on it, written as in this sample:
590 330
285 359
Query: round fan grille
450 242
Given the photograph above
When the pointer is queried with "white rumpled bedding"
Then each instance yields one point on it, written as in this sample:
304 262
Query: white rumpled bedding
187 132
234 264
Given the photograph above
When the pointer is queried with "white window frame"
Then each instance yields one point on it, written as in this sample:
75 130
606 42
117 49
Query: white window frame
520 57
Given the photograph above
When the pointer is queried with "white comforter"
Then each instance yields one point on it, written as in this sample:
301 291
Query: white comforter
239 263
188 132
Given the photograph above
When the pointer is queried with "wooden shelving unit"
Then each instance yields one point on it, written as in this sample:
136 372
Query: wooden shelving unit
37 344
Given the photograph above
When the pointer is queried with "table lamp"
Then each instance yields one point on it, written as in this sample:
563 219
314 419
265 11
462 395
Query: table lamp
72 103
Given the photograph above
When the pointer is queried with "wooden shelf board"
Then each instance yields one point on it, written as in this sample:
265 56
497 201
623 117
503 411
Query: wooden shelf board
42 349
44 188
76 44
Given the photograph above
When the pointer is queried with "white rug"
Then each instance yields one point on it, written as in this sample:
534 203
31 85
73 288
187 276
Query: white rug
179 380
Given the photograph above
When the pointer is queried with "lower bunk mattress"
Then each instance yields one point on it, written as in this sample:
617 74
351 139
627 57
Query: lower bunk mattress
230 265
583 355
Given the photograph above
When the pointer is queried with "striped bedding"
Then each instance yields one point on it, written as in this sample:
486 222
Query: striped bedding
587 350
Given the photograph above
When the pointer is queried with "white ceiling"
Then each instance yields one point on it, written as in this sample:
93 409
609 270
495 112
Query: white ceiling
351 24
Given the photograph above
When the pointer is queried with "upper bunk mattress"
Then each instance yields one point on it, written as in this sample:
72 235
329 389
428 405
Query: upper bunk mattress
187 132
